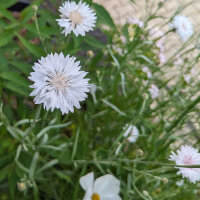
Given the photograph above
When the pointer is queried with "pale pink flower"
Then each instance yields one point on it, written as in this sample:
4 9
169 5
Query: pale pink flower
187 156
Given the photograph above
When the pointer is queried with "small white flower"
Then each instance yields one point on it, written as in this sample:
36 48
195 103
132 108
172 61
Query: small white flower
180 183
59 83
78 18
179 60
154 90
147 71
162 58
187 156
183 27
187 78
106 187
131 133
136 21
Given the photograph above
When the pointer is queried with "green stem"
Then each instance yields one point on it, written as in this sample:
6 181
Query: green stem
34 121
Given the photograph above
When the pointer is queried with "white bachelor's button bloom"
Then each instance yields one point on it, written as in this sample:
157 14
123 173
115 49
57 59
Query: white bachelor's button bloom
187 156
183 27
78 18
59 83
106 187
131 133
154 90
147 71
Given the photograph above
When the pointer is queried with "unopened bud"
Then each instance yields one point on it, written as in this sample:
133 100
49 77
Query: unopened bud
90 53
145 95
35 7
21 186
165 180
140 152
145 193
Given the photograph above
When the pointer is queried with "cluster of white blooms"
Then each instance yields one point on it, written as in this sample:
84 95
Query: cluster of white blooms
106 187
58 81
183 27
131 133
187 156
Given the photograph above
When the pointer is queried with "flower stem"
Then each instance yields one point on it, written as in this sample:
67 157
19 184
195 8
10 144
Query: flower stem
34 121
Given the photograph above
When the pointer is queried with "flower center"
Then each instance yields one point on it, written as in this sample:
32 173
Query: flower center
187 160
95 196
75 17
59 81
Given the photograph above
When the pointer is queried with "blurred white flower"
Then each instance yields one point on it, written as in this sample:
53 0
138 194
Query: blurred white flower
187 78
179 60
183 27
93 88
131 133
159 37
187 156
59 83
162 58
180 183
78 18
147 71
123 39
136 21
154 90
106 187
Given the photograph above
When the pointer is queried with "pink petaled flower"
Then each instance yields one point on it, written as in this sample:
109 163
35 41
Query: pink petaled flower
187 156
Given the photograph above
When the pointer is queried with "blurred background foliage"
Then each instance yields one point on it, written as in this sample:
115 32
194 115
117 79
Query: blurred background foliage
47 160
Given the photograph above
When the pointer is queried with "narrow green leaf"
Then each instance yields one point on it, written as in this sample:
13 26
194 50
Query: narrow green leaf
103 16
75 144
113 107
7 3
48 165
15 78
44 130
5 37
94 42
35 50
23 67
24 91
4 173
33 165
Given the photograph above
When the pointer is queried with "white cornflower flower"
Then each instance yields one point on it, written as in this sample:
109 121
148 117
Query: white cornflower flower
147 71
131 133
154 90
106 187
183 27
187 156
78 18
59 83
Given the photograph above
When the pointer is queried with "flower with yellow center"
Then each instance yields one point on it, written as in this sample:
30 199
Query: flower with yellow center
78 18
106 187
